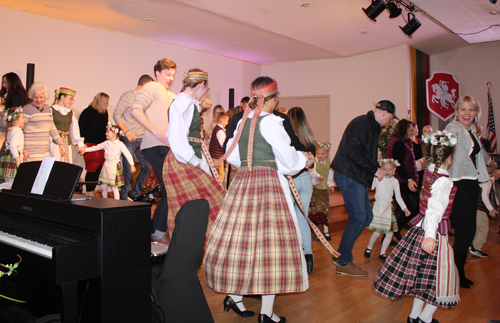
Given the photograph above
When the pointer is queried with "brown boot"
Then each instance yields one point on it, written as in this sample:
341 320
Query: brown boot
351 270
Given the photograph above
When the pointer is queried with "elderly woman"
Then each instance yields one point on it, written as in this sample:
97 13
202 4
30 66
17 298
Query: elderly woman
39 129
255 245
467 171
66 124
93 121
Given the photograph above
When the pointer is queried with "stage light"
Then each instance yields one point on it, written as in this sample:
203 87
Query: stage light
394 11
412 25
375 9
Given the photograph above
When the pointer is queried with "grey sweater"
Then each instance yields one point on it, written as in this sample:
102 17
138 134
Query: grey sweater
122 114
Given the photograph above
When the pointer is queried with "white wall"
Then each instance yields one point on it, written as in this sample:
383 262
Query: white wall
473 66
353 83
91 60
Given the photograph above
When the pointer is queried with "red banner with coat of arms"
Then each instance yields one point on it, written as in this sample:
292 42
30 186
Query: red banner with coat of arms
442 91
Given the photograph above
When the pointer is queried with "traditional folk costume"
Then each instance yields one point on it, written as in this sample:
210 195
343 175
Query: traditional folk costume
320 201
67 127
384 220
255 246
186 170
409 270
111 173
217 139
14 147
38 130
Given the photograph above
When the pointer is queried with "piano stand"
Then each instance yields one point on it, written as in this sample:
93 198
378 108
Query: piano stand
69 292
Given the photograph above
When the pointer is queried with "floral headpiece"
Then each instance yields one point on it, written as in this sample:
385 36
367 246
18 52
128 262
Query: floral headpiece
389 160
115 129
325 145
13 116
63 90
446 138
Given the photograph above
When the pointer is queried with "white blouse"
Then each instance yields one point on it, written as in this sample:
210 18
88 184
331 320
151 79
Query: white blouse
386 188
113 151
15 141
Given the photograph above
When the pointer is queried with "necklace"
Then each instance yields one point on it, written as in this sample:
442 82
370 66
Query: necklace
39 109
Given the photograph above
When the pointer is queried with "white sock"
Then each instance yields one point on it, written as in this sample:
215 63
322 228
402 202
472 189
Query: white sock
386 243
104 190
417 308
373 238
116 194
238 300
158 234
325 229
267 305
428 313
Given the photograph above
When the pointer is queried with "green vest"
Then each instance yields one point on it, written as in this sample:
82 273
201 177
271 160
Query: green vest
194 132
63 122
262 151
323 170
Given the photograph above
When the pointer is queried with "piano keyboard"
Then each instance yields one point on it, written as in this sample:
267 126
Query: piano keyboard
25 244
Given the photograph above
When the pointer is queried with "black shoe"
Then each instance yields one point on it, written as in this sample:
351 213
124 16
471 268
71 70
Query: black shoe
418 320
310 263
383 257
410 320
368 253
464 284
327 236
229 303
263 318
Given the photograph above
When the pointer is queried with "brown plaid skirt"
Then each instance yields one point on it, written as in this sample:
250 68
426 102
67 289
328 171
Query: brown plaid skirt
119 179
409 270
8 166
253 247
185 182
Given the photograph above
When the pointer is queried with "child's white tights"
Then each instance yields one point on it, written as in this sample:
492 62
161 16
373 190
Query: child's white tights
116 193
385 243
426 314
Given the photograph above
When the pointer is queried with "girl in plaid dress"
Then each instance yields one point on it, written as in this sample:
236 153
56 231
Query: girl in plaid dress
111 174
255 246
422 264
14 146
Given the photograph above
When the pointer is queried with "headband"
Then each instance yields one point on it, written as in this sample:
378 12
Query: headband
13 116
196 76
325 145
389 160
63 90
115 129
444 138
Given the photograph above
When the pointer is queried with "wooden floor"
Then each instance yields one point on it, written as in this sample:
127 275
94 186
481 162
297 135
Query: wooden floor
339 298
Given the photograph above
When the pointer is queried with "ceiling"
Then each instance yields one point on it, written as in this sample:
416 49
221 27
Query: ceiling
273 31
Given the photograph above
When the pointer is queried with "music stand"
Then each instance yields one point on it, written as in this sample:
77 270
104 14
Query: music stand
60 184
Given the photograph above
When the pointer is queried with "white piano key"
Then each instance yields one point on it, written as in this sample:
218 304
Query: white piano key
25 244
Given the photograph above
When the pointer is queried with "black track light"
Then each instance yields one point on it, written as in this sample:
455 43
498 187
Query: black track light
394 11
412 25
375 9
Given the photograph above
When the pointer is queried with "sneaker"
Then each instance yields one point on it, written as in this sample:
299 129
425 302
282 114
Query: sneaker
351 270
478 253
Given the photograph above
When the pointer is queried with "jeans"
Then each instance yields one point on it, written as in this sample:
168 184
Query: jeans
357 204
304 185
156 157
135 148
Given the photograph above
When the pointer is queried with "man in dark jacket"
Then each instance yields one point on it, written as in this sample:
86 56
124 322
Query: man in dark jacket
355 165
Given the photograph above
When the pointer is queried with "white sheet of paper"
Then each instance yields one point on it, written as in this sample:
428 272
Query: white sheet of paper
43 175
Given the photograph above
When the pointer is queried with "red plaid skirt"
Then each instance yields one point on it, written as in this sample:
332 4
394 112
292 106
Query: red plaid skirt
151 182
253 247
185 182
8 166
409 270
119 179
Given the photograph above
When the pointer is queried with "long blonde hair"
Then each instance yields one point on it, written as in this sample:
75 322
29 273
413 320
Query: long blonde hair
301 127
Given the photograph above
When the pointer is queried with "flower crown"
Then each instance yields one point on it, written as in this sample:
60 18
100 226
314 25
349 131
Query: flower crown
389 160
115 129
325 145
13 116
446 138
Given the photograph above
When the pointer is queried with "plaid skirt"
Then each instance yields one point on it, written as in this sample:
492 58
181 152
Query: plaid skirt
253 248
320 205
151 182
409 270
8 165
119 179
384 220
186 182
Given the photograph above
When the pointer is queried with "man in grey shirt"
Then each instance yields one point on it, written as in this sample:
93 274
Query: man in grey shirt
134 132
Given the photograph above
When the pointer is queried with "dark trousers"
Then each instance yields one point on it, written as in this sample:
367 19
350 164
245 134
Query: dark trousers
92 177
156 157
411 200
463 213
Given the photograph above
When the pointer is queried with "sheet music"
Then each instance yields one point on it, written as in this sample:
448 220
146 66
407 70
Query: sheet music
43 175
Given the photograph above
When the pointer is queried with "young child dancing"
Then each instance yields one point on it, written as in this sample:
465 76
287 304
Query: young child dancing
384 219
14 146
322 178
111 173
422 264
